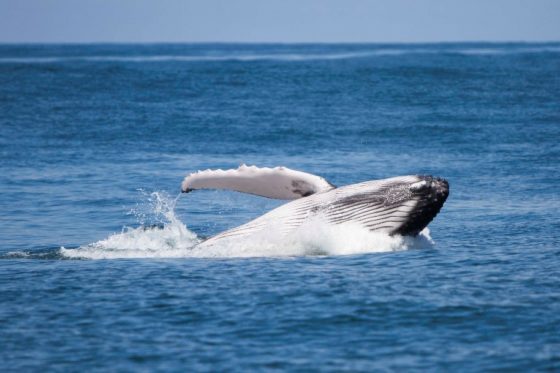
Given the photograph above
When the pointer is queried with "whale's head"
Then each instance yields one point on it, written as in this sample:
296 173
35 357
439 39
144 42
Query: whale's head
430 193
402 205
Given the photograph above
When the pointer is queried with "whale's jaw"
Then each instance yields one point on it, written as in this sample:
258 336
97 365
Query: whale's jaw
432 192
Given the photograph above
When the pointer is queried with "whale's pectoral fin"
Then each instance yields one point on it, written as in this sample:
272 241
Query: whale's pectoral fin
277 182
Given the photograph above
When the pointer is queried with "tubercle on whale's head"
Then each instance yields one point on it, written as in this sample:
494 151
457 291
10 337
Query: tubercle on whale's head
431 193
434 186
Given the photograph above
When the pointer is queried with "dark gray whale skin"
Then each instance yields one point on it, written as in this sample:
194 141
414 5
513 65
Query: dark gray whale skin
434 194
430 192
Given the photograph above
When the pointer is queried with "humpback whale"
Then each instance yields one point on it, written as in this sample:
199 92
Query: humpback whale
402 205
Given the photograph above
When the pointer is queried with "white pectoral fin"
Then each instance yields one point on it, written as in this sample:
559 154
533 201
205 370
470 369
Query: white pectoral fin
277 182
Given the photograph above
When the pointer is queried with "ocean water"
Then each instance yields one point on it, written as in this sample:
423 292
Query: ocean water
99 269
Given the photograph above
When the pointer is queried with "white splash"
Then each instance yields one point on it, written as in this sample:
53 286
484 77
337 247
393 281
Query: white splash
174 240
314 237
168 238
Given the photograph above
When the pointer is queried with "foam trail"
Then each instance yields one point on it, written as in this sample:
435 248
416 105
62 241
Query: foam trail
174 240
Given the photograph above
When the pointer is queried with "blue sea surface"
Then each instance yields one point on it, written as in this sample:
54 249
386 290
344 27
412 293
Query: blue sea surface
96 264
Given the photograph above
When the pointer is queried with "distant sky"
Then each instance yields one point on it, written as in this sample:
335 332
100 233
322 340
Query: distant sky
278 21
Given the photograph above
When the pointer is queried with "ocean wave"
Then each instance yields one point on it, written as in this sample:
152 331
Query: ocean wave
196 58
497 51
281 57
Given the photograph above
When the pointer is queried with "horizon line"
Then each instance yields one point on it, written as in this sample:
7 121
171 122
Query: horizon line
544 41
